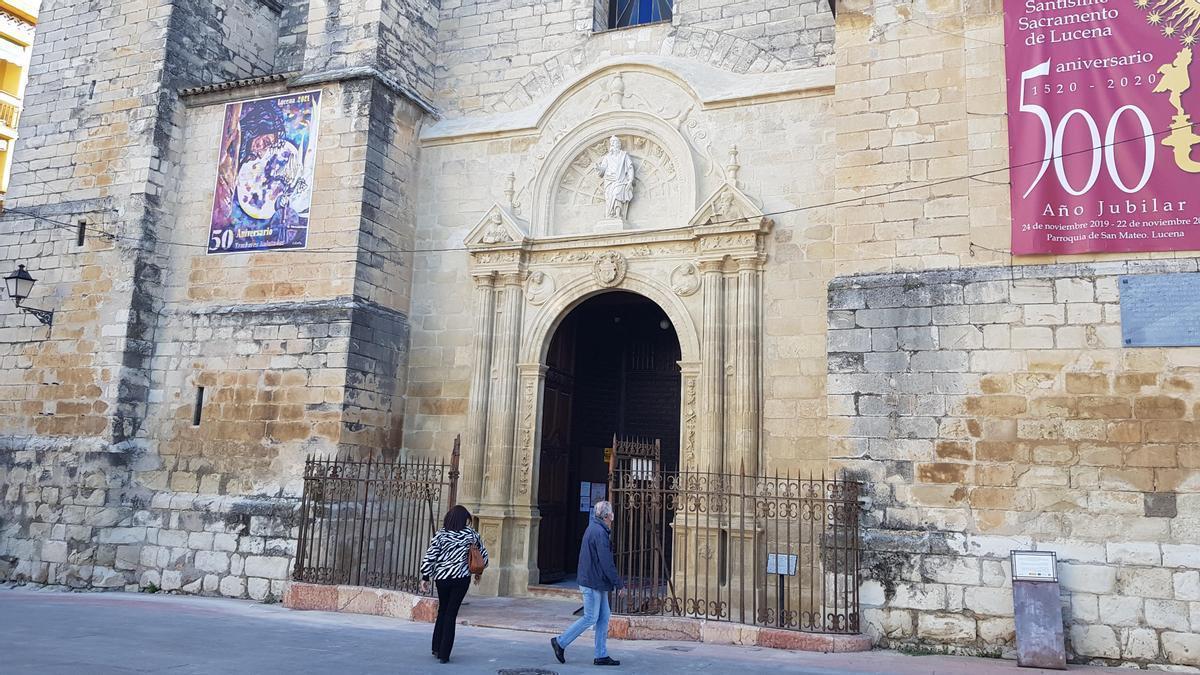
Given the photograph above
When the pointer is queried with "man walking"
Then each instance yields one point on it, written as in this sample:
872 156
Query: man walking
597 576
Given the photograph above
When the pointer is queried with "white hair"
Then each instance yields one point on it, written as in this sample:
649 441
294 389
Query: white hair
602 509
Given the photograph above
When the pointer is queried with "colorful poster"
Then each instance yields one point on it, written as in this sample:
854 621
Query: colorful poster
1100 134
265 174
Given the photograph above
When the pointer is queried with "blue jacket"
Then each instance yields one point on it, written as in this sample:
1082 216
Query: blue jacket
596 568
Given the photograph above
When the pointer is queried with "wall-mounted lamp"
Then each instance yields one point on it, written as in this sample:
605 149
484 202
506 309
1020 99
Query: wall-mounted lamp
20 285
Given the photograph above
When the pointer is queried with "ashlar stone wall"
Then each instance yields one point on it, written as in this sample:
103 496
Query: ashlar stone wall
497 55
109 482
995 408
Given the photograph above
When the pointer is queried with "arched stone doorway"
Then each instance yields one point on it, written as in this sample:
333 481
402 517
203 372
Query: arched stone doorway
612 367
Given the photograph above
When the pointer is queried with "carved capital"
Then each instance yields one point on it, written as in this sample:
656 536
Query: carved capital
711 265
484 279
749 263
511 278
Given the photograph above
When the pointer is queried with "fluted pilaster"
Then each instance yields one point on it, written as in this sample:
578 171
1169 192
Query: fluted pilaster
712 361
477 411
502 415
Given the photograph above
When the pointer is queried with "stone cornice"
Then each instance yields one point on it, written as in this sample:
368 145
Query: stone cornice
366 73
712 87
234 89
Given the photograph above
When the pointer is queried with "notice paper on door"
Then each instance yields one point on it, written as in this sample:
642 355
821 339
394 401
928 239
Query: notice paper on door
585 496
598 490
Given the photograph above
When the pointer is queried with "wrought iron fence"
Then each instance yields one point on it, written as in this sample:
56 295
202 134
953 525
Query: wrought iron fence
779 551
368 523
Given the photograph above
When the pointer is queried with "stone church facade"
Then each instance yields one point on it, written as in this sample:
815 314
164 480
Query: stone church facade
840 297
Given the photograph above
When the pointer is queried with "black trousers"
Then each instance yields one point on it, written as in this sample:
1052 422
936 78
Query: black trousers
450 596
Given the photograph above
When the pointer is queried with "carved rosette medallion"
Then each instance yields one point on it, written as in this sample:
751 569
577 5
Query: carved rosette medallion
609 269
685 279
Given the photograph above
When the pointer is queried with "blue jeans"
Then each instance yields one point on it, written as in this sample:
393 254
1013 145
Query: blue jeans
595 612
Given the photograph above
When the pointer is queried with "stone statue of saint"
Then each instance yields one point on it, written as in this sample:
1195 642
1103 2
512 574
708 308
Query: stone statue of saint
616 169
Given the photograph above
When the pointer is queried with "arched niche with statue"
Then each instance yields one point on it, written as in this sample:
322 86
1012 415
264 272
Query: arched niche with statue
569 191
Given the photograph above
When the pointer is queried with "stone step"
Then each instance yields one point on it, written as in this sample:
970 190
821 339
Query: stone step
557 592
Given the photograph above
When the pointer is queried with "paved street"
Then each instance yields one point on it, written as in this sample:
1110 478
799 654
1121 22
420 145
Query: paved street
48 631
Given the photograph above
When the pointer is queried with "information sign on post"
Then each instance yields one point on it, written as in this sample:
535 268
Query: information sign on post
1037 610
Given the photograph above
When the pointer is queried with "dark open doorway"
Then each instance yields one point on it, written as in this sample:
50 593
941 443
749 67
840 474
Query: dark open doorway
613 368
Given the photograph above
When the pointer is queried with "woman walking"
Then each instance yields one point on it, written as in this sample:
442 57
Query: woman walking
447 563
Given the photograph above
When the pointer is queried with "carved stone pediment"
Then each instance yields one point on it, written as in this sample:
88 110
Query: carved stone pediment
498 228
727 206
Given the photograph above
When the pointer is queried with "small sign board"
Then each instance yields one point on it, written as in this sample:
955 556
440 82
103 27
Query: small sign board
585 496
782 563
1160 310
598 492
1034 566
643 468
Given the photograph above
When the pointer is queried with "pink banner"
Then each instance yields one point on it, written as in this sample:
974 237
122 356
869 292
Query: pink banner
1100 135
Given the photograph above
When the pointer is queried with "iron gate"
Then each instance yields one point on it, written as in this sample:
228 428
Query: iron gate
368 523
775 551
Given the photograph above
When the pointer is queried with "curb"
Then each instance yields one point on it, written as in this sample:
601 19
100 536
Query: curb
401 605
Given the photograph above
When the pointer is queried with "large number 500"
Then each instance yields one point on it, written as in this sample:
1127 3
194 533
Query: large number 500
1054 141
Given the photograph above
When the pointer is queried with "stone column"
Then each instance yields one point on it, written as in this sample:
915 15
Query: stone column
481 381
712 371
746 369
502 413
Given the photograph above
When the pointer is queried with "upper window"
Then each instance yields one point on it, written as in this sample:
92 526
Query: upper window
625 13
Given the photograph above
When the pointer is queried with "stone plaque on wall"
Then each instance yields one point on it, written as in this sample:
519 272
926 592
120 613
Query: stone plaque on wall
1160 310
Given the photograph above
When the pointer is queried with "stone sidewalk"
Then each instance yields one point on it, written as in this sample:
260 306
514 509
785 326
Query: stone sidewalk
49 631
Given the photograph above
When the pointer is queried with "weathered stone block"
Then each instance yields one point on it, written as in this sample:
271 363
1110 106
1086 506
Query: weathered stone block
1168 614
1096 579
271 568
988 601
997 631
1146 583
1095 641
1187 585
54 551
212 561
1181 555
946 627
920 596
123 535
258 589
1134 553
1182 648
1139 644
1120 610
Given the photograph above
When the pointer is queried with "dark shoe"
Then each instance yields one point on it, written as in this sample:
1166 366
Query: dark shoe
441 660
559 652
606 661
